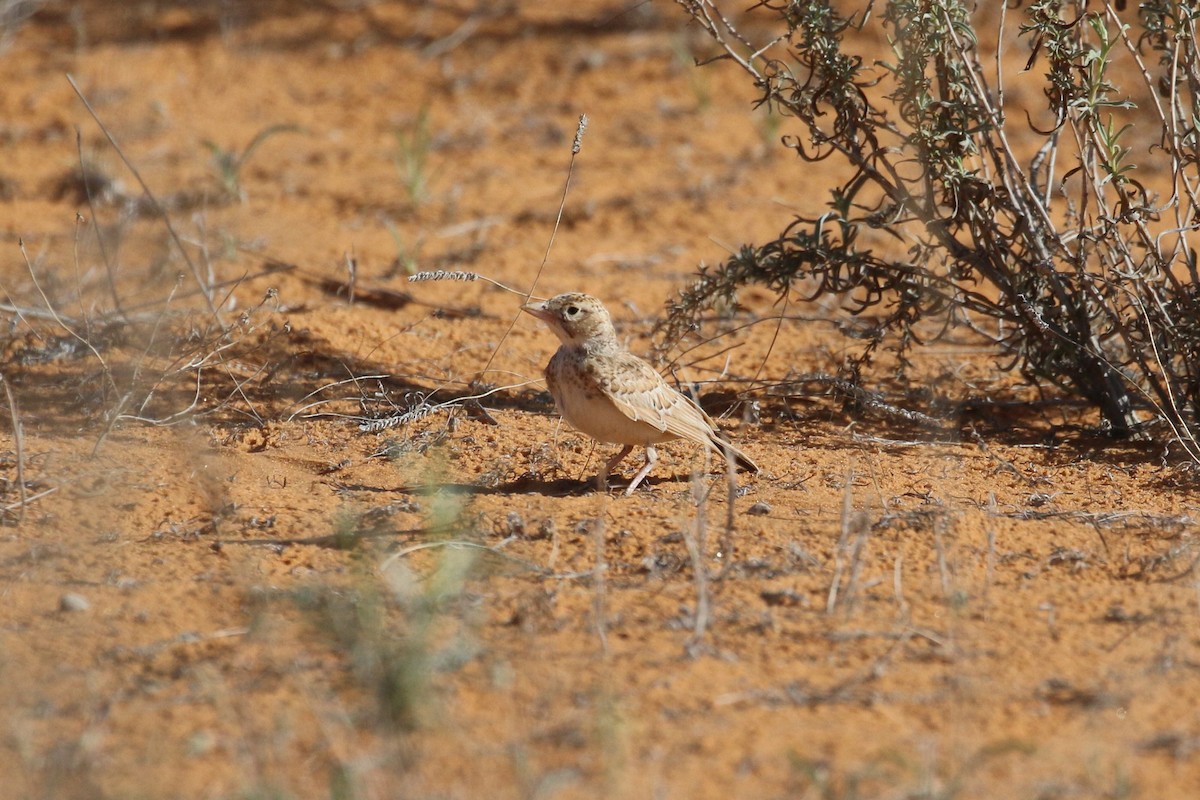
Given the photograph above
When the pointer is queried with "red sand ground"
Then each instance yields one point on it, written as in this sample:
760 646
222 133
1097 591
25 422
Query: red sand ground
1015 615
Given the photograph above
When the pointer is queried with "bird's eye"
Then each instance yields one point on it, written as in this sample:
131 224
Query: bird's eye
572 310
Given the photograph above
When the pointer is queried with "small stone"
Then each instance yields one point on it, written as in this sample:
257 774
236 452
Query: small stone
759 509
546 529
73 602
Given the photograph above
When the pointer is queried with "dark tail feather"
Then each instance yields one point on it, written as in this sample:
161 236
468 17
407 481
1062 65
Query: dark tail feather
742 460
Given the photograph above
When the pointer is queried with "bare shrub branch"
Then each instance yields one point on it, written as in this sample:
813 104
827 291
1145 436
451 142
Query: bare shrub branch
1085 278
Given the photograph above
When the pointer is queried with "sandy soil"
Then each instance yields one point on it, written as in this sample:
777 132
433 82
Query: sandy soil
215 585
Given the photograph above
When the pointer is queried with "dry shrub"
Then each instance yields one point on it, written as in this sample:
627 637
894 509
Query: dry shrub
1044 238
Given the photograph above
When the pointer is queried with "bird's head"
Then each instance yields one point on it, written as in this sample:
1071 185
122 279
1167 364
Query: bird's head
577 319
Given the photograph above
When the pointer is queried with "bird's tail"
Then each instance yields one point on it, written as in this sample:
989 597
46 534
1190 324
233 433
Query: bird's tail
725 447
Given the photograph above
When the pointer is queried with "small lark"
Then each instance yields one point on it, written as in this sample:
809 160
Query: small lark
612 395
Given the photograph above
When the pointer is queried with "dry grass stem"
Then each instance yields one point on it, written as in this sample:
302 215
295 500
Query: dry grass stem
599 576
459 275
943 563
847 515
728 545
61 322
18 446
205 290
696 541
31 499
576 145
419 411
351 277
109 269
898 584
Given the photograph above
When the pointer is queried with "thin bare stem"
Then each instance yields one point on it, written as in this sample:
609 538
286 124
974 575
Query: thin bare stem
600 583
109 269
831 599
576 146
159 209
61 322
18 445
696 541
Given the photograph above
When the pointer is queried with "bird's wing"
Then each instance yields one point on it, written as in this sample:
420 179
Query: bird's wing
642 395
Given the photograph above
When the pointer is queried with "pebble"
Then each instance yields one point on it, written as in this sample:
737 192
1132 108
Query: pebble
759 509
73 602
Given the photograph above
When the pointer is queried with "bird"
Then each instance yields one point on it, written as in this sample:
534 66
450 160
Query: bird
612 395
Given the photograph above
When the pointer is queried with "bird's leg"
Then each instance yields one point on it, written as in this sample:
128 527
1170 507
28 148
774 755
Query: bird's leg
651 457
602 478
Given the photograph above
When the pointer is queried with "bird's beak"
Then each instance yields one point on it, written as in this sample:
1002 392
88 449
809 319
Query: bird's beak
537 310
